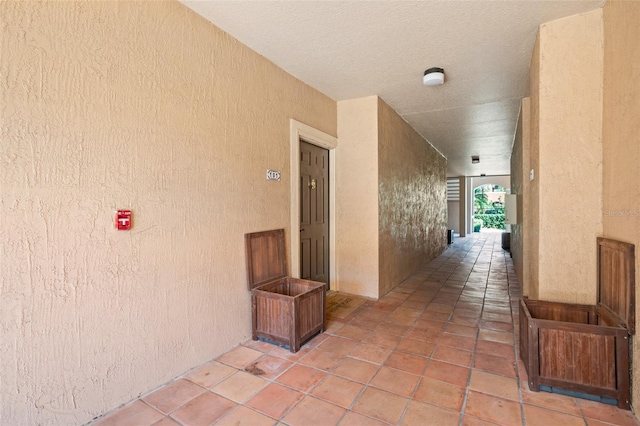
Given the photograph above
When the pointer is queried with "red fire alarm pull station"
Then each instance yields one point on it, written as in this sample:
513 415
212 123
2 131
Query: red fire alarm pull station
123 220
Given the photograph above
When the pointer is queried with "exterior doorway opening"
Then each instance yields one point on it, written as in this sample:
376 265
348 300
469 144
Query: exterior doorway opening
488 208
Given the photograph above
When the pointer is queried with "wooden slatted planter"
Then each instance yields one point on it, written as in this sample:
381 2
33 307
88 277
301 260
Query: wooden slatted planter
285 310
585 348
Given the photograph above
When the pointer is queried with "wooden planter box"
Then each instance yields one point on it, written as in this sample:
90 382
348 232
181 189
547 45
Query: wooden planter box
585 348
285 310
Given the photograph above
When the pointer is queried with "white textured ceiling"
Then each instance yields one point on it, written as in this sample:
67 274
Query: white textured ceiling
351 49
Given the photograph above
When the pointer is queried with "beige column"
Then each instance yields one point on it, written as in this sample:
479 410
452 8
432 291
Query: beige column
463 206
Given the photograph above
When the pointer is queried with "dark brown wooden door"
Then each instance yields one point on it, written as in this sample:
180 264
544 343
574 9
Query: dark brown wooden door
314 213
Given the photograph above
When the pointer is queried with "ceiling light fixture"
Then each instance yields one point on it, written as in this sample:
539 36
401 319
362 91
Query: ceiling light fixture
433 77
475 159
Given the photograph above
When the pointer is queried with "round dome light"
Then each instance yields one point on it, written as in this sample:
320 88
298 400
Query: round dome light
433 77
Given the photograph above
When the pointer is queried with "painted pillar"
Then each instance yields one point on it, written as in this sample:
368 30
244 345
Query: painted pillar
463 207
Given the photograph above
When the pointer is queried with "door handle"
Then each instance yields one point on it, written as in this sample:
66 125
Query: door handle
302 230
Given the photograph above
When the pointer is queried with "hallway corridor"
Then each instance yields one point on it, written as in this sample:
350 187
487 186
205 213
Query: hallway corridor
438 350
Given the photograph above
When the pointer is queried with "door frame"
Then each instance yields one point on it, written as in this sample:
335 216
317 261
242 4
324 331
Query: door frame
300 131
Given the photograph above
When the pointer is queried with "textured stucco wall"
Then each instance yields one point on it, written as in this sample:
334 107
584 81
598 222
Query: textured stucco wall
517 190
531 217
520 187
621 139
412 199
569 173
357 197
140 105
595 94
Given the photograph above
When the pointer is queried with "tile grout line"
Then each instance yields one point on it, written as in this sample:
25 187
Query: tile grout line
516 340
429 359
357 397
368 384
473 355
380 366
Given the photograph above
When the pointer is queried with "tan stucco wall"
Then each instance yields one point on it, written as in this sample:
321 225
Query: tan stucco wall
569 172
412 199
453 215
520 186
390 196
464 205
592 91
140 105
621 139
357 197
531 218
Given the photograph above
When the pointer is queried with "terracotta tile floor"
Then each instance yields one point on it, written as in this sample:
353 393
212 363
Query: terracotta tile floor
440 349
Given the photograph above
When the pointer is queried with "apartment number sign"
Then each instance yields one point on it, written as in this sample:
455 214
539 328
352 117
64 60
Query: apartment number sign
273 175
